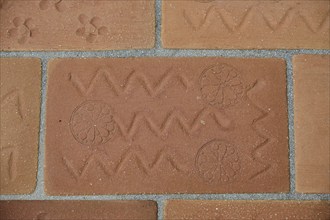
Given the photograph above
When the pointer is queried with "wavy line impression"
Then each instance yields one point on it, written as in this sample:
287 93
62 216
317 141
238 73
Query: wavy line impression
187 126
127 87
137 153
228 20
266 139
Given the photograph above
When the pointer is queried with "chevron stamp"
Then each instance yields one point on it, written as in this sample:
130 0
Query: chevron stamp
166 125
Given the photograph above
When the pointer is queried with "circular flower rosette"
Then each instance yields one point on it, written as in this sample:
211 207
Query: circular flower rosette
218 162
92 123
221 85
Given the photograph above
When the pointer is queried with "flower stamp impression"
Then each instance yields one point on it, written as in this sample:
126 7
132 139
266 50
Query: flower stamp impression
166 125
92 123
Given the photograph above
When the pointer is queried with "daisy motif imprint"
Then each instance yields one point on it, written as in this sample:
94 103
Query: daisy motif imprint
221 85
91 28
218 162
58 4
23 30
92 123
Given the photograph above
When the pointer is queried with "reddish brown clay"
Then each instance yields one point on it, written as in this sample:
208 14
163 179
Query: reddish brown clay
166 125
73 210
76 24
20 110
224 210
311 112
245 24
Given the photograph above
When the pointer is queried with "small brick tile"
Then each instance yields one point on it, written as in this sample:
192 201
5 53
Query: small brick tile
277 210
76 25
311 111
20 81
73 210
166 125
217 24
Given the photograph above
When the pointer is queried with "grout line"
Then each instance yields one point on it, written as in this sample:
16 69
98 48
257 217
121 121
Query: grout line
160 208
290 97
163 197
159 52
158 24
41 157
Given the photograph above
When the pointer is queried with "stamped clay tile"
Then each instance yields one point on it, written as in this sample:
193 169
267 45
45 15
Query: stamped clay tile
311 111
276 210
73 210
166 125
20 108
246 24
76 24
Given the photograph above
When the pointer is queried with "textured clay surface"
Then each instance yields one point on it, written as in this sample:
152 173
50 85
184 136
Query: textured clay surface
311 112
225 210
76 24
66 210
166 125
245 24
20 111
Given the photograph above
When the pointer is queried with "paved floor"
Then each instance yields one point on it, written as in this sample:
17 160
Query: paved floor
39 194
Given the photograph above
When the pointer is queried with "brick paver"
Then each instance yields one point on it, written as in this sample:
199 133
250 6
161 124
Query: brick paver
20 109
166 125
311 98
218 24
276 210
76 25
73 210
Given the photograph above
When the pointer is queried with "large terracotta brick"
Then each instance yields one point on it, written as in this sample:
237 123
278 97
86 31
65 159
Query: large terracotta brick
311 113
20 80
166 125
223 24
76 25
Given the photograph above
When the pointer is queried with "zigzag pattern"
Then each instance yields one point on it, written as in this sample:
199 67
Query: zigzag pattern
220 14
13 97
187 126
128 86
137 154
79 173
266 139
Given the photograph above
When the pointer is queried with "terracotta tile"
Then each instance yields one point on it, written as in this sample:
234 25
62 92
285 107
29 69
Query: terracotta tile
277 210
76 24
311 112
148 125
66 210
245 24
20 81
